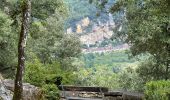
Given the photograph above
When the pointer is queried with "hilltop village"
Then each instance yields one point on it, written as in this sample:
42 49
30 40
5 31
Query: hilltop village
99 32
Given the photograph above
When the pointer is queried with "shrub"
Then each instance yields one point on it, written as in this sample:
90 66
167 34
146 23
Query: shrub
129 80
35 73
51 91
157 90
47 77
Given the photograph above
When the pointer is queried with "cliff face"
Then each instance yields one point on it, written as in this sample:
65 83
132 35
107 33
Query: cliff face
92 32
93 25
30 92
95 36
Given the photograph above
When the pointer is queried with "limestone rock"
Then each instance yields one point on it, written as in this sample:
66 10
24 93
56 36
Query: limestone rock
5 94
30 92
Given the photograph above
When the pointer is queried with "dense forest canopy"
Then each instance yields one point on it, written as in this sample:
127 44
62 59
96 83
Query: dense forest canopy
46 41
146 27
35 47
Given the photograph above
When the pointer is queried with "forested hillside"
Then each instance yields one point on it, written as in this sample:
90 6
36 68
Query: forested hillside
116 45
93 25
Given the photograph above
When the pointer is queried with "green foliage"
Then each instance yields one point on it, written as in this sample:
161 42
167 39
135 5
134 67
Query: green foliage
116 59
45 76
110 69
46 29
149 70
7 45
157 90
48 52
146 28
50 42
129 80
79 9
69 46
51 91
35 73
42 9
96 76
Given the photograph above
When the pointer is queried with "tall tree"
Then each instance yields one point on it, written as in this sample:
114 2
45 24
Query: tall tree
146 28
26 14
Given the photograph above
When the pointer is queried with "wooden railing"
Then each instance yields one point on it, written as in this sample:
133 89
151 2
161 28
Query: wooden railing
95 93
82 93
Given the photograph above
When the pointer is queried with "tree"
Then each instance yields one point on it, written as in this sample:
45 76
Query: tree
150 70
46 33
146 27
26 14
50 42
7 46
128 79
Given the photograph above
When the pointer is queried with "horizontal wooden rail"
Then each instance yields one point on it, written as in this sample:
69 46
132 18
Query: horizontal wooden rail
82 88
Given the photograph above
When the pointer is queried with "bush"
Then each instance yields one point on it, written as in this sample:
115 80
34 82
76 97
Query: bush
150 70
35 73
47 77
130 81
157 90
51 91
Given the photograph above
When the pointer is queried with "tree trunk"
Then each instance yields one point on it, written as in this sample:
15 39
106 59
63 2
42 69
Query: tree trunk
26 12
